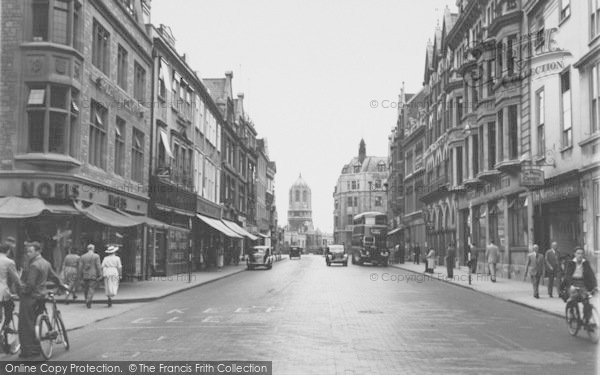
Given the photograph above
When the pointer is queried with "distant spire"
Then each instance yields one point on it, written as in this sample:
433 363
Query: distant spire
300 176
362 151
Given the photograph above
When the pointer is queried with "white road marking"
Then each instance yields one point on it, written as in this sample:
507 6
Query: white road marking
161 338
211 319
135 354
174 319
210 310
178 311
271 309
143 320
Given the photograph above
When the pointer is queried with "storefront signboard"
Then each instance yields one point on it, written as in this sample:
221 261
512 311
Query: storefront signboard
532 177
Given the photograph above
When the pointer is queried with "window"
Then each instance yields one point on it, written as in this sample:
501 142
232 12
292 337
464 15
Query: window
297 196
378 201
459 166
499 61
120 128
517 219
594 18
336 204
377 184
500 135
475 144
349 202
57 21
381 167
490 77
163 76
510 54
349 219
595 104
459 110
122 67
304 196
97 137
137 156
513 133
357 168
565 89
596 204
139 85
101 48
541 119
355 201
353 185
491 145
52 114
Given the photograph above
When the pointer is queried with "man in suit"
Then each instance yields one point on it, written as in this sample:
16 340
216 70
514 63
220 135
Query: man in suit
553 268
450 260
492 253
33 293
417 252
9 282
535 268
90 273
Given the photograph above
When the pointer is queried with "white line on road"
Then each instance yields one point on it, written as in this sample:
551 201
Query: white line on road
178 311
174 319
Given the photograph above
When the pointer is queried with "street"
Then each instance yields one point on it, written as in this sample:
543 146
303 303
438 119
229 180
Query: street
310 318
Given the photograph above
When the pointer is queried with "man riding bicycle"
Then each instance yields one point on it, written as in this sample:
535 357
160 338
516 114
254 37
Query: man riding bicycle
579 280
9 281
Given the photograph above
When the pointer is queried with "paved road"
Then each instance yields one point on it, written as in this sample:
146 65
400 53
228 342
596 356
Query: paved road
308 318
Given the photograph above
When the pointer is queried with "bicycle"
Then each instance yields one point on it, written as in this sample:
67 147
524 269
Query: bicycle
575 322
50 329
9 335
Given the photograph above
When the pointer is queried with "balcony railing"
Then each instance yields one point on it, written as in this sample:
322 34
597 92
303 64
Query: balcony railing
168 171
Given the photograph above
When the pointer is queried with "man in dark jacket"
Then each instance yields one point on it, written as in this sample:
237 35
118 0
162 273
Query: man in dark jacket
450 260
535 268
553 267
33 292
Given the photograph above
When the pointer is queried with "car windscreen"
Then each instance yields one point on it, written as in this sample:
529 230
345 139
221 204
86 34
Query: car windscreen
258 251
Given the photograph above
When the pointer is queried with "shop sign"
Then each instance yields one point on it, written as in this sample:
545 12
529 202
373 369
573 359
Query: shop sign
556 192
30 189
116 201
532 177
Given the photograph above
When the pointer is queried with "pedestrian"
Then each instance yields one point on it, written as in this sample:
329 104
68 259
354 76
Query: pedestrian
450 259
90 272
580 278
9 283
553 270
397 253
112 270
70 270
417 253
535 268
11 242
32 296
492 253
430 261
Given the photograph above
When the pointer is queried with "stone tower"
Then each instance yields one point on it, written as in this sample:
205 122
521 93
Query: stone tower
300 207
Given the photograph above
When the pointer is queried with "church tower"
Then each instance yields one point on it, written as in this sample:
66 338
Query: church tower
300 207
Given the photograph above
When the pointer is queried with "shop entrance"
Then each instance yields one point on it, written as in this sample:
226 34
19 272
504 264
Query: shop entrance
558 221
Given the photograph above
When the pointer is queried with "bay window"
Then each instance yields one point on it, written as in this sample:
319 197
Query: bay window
58 21
52 116
565 89
97 135
513 133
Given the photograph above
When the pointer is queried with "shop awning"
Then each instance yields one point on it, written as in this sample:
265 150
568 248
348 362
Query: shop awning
262 235
218 225
239 230
106 216
62 209
19 208
393 231
145 220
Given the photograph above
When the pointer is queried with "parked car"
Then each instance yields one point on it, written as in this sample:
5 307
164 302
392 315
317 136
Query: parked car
295 251
260 256
336 254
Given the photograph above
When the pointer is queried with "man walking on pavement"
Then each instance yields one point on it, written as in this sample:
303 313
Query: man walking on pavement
492 254
553 268
417 252
450 260
90 273
33 293
535 268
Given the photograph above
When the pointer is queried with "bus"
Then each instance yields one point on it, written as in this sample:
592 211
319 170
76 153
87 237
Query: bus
369 239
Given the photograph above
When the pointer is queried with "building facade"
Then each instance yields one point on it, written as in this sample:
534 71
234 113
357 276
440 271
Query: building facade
75 134
360 188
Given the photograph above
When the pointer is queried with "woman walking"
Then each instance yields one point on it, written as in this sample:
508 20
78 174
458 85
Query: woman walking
112 271
430 261
70 270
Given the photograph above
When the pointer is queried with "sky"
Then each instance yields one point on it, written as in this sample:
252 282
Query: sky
317 75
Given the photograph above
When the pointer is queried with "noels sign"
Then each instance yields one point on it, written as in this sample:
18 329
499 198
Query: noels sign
532 177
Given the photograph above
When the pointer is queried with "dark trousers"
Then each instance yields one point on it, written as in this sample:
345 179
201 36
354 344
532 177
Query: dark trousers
535 281
417 255
554 274
473 264
28 311
9 308
89 287
450 266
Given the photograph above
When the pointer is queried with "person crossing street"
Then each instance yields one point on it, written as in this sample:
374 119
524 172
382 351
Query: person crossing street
90 271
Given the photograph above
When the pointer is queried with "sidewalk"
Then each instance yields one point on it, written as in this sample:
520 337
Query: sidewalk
133 294
515 291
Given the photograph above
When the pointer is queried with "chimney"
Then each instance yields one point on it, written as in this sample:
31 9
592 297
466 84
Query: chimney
240 95
362 151
229 74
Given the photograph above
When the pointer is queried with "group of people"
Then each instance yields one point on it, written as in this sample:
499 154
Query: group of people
29 280
572 277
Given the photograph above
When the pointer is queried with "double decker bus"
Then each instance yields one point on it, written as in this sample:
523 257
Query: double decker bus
369 239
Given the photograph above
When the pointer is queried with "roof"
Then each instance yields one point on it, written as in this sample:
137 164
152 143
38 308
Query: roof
300 183
368 165
216 87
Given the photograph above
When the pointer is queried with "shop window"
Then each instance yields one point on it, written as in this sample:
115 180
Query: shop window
137 156
52 121
122 67
101 47
517 216
97 136
139 88
120 128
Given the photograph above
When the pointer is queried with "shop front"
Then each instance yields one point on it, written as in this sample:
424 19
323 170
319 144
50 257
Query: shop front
218 240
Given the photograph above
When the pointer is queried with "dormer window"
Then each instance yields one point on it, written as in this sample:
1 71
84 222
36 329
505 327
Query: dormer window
357 168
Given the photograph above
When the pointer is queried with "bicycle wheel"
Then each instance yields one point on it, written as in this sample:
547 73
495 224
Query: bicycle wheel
63 338
45 335
11 336
593 329
572 318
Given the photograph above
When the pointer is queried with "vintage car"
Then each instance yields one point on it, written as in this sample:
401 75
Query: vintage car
336 254
260 256
295 251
